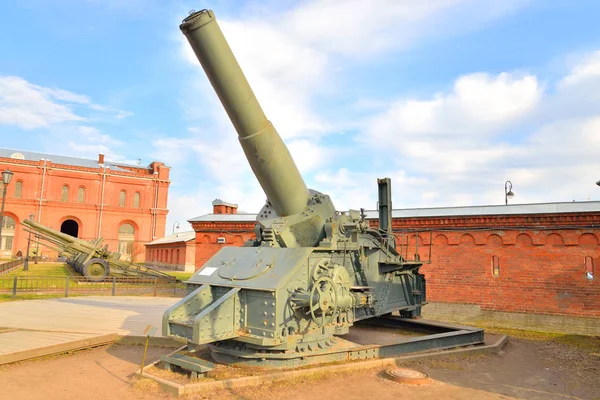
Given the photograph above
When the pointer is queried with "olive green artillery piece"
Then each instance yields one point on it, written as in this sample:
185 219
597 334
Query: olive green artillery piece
90 259
312 271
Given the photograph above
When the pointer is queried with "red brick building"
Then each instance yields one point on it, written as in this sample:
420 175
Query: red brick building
176 252
124 204
530 265
224 227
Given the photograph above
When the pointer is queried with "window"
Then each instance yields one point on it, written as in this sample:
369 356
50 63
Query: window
126 248
18 189
81 195
495 266
8 223
8 233
126 240
136 199
589 267
126 229
122 196
65 193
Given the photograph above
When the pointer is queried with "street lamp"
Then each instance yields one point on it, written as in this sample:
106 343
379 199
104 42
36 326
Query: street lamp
175 223
6 177
26 265
508 193
598 183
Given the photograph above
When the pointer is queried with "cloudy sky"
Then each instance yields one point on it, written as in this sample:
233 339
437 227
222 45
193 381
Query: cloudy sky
449 98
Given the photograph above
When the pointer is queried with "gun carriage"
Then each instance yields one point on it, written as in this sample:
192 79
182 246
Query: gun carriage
90 259
312 272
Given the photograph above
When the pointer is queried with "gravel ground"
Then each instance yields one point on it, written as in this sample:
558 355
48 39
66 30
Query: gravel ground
527 369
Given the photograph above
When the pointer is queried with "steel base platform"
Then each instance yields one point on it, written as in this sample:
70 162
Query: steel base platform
370 339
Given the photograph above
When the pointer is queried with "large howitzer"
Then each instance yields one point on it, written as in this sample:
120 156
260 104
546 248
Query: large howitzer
312 271
90 259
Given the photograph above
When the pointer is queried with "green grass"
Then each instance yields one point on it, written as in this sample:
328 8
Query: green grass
41 269
589 343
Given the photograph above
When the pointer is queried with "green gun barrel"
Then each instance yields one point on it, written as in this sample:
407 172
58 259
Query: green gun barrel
268 156
57 236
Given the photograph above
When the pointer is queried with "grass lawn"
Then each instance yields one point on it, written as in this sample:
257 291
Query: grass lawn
41 269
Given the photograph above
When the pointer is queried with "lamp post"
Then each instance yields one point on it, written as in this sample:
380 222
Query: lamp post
26 265
508 193
175 223
6 177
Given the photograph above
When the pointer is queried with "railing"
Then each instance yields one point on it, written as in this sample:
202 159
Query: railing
59 286
9 266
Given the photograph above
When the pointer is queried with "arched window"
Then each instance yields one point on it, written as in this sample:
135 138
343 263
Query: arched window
126 239
81 195
126 229
18 189
8 235
495 266
64 196
122 196
589 267
136 199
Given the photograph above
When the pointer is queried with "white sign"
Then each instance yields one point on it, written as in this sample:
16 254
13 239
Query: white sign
207 271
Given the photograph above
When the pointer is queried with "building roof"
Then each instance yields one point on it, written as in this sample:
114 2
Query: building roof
57 159
511 209
224 218
219 202
175 238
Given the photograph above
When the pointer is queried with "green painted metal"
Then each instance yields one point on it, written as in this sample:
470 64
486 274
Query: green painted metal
90 259
312 272
436 336
268 156
197 366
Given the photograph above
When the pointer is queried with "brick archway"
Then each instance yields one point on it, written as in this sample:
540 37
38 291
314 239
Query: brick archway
70 227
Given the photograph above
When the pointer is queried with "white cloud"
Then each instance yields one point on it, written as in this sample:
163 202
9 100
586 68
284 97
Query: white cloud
478 104
94 135
584 71
359 28
30 106
489 129
88 150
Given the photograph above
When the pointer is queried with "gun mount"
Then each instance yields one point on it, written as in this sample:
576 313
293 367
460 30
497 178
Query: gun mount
90 259
311 273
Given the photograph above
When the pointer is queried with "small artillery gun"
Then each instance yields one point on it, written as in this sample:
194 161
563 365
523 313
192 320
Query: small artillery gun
90 259
312 271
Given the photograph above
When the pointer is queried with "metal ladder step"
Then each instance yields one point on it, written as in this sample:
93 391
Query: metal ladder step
194 365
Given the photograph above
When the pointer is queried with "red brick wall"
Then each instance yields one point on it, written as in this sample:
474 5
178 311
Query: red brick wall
207 234
98 215
541 261
178 253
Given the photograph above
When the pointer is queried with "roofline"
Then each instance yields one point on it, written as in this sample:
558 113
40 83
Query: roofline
47 155
432 212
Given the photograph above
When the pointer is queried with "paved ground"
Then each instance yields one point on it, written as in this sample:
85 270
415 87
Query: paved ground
527 369
93 314
45 324
536 370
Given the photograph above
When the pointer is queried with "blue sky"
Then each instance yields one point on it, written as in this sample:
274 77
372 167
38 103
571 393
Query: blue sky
449 98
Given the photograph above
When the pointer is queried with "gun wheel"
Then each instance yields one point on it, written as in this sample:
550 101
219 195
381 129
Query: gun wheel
327 301
96 269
